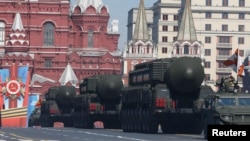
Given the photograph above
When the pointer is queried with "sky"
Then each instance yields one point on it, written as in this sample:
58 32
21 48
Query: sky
118 10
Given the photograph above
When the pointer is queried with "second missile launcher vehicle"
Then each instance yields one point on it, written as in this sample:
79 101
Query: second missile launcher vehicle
99 100
57 107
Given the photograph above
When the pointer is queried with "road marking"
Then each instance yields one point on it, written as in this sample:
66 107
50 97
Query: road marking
32 140
119 137
49 140
187 135
21 137
134 139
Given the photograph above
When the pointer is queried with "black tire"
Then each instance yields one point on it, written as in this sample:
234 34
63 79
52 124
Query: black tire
143 121
151 125
166 129
205 129
88 123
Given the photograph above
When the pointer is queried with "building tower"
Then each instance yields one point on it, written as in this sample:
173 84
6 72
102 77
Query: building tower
140 48
92 41
186 43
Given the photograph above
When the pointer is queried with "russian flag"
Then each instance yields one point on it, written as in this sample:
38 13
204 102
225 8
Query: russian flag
236 63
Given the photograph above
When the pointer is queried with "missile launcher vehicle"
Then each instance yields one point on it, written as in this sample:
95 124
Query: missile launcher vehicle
166 93
99 100
57 107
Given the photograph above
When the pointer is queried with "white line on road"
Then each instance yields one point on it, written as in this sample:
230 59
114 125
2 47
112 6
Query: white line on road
134 139
120 137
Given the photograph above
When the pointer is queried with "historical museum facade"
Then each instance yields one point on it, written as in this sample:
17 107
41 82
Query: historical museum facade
49 35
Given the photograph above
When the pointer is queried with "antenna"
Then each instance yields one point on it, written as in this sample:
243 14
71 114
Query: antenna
237 70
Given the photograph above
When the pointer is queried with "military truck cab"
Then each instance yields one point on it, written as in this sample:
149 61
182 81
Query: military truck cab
226 109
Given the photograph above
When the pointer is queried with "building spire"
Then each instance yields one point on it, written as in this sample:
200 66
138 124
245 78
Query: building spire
17 24
187 30
17 36
141 28
68 75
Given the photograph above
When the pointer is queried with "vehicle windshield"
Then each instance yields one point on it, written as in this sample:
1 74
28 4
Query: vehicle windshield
227 101
244 101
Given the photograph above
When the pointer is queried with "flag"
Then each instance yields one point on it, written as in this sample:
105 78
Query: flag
232 60
236 63
39 102
240 67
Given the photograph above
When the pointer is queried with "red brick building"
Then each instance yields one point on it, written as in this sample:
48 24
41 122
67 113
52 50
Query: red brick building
51 36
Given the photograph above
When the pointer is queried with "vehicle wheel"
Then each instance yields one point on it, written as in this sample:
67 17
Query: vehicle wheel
205 129
88 124
139 122
133 120
166 129
143 123
151 125
123 121
126 121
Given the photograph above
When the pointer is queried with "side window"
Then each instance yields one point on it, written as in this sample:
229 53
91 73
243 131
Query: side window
209 103
90 38
2 33
212 103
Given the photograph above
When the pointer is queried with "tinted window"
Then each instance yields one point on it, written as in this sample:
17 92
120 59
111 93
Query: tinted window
227 102
244 101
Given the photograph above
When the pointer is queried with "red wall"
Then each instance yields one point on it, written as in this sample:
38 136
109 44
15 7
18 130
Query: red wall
70 38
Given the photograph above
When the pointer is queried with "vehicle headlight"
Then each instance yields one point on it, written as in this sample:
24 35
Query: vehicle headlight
227 117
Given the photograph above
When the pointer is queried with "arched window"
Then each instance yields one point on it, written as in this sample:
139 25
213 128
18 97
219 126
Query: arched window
186 49
177 49
139 49
90 38
2 33
195 49
48 34
148 49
